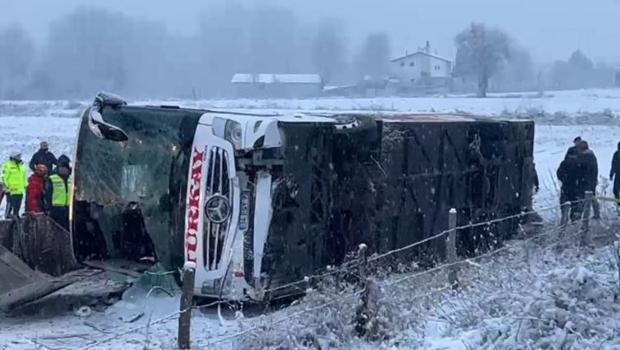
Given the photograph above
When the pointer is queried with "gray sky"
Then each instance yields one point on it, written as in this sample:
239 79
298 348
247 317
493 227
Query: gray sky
550 29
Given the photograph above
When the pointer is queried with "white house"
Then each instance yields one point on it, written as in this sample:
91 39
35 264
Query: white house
422 69
277 85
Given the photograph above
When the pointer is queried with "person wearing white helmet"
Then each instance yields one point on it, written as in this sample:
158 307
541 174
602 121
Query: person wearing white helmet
15 182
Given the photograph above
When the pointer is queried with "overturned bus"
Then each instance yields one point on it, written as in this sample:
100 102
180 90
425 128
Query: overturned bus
260 200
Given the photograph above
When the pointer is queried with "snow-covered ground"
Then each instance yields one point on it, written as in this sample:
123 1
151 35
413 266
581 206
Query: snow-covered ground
598 106
508 304
563 103
562 300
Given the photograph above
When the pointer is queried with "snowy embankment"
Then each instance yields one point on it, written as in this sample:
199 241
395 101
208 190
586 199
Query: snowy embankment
555 107
561 297
561 107
539 294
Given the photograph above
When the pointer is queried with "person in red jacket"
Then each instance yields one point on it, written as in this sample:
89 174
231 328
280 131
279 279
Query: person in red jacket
35 193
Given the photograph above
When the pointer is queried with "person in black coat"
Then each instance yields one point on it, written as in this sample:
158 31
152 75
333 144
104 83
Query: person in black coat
575 145
43 156
613 174
591 173
572 173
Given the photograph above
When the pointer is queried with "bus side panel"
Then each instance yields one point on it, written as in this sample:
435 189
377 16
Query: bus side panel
392 185
431 167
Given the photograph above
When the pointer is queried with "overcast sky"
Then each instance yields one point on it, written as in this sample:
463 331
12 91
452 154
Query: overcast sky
550 29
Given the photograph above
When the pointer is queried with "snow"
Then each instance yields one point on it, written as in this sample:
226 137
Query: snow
567 299
556 107
422 52
276 78
564 295
550 148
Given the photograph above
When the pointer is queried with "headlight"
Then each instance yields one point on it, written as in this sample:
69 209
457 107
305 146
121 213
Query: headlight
233 133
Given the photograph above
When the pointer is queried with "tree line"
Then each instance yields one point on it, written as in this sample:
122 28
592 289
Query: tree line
488 56
92 49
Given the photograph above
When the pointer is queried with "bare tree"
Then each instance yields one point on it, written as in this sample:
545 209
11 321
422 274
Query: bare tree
374 56
328 50
580 61
234 38
561 75
518 71
580 72
92 49
481 53
223 46
273 41
17 52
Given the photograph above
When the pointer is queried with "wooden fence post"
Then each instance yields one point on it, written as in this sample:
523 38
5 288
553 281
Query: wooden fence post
362 258
528 246
187 298
565 218
617 246
451 250
366 314
585 227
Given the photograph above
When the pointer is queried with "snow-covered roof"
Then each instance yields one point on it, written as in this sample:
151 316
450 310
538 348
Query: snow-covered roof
421 52
337 87
241 78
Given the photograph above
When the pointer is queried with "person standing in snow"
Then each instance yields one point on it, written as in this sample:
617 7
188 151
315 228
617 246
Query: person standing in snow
43 156
571 174
613 175
63 159
575 145
14 180
57 193
591 174
35 194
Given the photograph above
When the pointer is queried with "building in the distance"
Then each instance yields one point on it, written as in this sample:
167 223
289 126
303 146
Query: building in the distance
277 85
421 71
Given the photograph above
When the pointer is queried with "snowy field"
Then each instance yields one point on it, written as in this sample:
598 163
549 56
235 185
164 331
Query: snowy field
591 106
558 300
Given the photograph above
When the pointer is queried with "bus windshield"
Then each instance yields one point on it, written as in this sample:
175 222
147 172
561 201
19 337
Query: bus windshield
128 194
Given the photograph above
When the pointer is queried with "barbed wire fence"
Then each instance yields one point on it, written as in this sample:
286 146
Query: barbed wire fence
359 268
448 286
